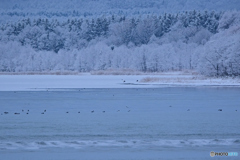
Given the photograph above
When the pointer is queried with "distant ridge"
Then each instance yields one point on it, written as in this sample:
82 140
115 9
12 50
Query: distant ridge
116 6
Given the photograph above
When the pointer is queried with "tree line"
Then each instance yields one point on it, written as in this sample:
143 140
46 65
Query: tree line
54 34
206 42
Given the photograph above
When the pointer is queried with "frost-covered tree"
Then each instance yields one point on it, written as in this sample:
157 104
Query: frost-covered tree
204 41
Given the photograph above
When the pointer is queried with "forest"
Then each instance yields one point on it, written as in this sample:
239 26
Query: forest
207 42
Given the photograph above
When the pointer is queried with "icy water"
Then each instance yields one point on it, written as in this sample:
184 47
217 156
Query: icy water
114 124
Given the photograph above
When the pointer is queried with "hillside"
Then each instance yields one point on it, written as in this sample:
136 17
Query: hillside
116 6
146 36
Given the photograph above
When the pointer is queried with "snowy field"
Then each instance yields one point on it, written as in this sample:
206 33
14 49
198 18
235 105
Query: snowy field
46 82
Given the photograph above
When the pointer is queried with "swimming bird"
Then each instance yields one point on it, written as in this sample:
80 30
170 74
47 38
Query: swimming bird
78 112
188 110
66 112
45 110
92 111
236 110
118 111
5 112
22 110
220 110
103 111
16 113
26 113
170 106
42 113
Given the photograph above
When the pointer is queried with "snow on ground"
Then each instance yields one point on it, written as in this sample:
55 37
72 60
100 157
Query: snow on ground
46 82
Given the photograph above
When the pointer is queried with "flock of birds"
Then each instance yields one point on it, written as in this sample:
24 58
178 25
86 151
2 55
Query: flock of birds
27 111
17 113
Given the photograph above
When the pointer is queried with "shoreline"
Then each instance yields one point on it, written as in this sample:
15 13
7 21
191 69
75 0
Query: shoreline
172 79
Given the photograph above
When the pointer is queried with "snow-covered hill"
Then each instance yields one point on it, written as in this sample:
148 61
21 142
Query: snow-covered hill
140 35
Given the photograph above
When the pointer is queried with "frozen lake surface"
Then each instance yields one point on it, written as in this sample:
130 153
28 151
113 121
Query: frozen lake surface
147 123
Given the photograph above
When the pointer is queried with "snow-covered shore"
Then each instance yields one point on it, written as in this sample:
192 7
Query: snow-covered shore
48 82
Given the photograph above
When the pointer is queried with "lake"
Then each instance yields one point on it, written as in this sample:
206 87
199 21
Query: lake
114 124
